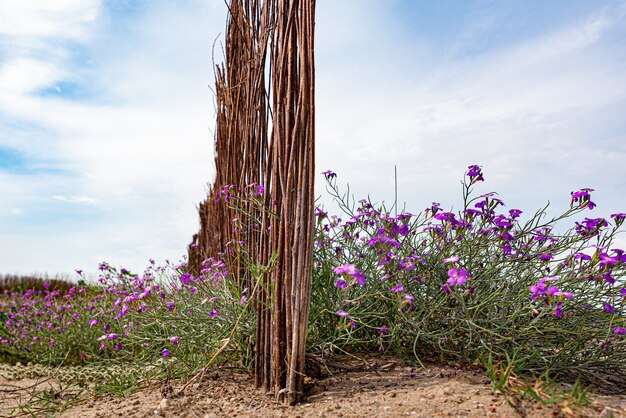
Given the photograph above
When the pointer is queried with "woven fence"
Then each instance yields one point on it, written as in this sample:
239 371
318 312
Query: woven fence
265 136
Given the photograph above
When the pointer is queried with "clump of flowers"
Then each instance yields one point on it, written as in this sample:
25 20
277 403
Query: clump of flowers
528 279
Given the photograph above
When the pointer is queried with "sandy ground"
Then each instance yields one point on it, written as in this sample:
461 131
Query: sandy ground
385 390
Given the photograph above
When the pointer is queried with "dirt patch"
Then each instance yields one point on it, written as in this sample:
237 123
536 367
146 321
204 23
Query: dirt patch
390 390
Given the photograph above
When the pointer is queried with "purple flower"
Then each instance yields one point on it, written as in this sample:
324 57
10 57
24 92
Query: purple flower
378 239
619 331
186 278
546 257
329 174
397 288
213 313
384 330
583 198
475 174
538 289
445 288
619 218
166 352
567 295
452 259
341 283
320 213
409 298
345 269
623 291
174 339
606 259
582 257
558 311
112 336
457 276
607 307
342 313
350 270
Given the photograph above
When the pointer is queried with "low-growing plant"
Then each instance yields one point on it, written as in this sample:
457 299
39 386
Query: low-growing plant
479 286
475 284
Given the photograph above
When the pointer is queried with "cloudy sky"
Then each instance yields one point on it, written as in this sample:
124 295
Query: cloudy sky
106 114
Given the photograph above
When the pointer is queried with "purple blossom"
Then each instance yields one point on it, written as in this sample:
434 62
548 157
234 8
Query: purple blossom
329 174
213 313
320 213
342 313
384 330
582 257
546 257
174 339
619 218
409 298
583 198
341 283
165 352
619 331
558 311
186 278
538 289
452 259
397 288
475 174
457 276
378 239
350 270
608 308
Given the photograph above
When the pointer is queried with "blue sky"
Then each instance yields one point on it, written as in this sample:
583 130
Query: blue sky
106 114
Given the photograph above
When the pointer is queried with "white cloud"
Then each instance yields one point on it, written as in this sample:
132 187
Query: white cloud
57 18
75 199
542 115
25 75
141 150
16 211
